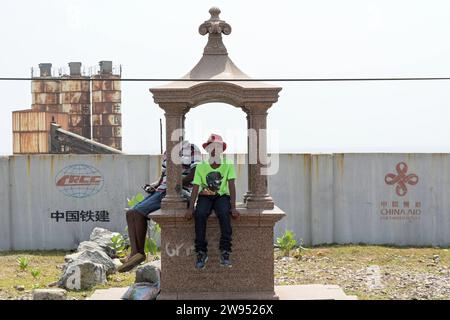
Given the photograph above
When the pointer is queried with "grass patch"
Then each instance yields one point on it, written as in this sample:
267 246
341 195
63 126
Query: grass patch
49 263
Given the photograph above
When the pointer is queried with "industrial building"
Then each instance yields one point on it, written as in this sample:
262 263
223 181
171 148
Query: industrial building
75 112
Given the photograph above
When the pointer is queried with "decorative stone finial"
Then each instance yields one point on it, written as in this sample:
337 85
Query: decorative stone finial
214 27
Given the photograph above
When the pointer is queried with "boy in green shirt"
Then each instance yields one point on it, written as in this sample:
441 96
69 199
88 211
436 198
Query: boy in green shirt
214 184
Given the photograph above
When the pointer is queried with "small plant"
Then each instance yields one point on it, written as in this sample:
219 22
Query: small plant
35 273
150 246
287 242
299 251
150 243
118 245
155 228
36 286
135 200
22 262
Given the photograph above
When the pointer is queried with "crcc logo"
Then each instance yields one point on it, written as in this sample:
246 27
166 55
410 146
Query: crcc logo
79 181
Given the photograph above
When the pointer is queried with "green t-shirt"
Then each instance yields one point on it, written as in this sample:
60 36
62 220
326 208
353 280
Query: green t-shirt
214 181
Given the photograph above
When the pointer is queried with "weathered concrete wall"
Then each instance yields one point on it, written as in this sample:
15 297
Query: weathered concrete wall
34 196
363 200
340 198
5 212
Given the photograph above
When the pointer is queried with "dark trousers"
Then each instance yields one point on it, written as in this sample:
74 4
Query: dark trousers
221 206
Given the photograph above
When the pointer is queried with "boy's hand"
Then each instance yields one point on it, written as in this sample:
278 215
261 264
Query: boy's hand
189 214
234 213
149 188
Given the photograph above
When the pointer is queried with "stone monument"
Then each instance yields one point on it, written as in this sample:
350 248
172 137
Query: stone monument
216 78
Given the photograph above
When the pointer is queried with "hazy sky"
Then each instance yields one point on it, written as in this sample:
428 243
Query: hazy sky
321 38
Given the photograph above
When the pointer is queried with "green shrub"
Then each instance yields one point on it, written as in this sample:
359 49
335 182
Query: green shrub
35 273
287 242
22 262
150 242
299 251
118 245
135 200
151 246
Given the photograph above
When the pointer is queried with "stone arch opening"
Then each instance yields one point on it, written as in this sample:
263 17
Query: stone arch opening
219 118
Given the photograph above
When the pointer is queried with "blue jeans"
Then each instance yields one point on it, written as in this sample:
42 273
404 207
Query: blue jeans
150 204
222 207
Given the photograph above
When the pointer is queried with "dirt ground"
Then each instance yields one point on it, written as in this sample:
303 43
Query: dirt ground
369 272
372 272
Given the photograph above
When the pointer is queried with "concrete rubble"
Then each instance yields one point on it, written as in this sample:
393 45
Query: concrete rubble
95 256
146 286
102 237
49 294
149 272
147 282
91 264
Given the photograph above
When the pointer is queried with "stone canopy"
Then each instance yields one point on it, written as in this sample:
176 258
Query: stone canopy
216 78
215 66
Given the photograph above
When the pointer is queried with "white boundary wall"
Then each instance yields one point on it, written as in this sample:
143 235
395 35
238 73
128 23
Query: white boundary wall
340 198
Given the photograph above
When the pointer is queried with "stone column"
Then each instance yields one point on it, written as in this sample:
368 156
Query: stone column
183 122
258 196
249 181
174 123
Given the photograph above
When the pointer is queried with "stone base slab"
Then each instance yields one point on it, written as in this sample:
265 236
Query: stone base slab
312 292
252 274
292 292
261 295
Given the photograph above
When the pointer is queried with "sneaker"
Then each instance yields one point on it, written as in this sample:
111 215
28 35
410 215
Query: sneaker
202 257
134 261
225 259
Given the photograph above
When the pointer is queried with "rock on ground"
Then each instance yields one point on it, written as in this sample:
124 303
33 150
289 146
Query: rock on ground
92 262
94 256
81 275
89 245
49 294
149 272
142 291
103 238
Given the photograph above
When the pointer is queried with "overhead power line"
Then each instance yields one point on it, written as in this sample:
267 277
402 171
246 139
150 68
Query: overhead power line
235 80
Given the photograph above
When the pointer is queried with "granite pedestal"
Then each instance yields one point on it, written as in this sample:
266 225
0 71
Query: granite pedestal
252 273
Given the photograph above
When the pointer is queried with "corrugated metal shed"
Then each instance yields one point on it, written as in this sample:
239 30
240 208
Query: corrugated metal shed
31 130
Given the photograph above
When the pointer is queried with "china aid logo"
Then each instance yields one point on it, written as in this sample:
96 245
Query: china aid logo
401 179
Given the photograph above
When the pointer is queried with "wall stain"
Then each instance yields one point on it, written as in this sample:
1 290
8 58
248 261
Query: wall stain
98 158
28 165
315 161
307 163
52 166
340 162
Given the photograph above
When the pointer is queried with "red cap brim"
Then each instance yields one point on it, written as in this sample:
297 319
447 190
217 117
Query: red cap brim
206 144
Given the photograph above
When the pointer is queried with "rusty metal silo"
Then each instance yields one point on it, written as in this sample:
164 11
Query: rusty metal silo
45 90
75 99
106 106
